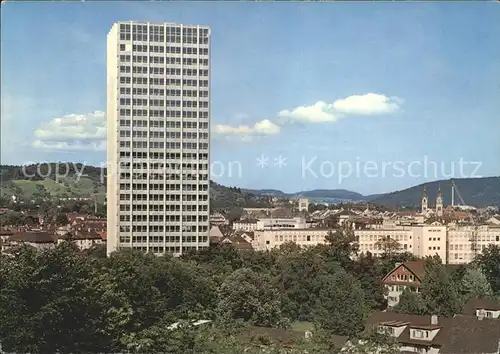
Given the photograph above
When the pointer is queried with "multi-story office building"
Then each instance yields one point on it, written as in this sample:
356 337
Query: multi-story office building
463 246
158 137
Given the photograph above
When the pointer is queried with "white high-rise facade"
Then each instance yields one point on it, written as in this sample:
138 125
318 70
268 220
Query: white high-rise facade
158 115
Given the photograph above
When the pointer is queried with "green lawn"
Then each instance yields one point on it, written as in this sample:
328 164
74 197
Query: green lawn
83 188
302 326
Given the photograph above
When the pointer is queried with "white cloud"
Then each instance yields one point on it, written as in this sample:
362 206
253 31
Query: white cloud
70 146
73 132
368 104
322 112
245 132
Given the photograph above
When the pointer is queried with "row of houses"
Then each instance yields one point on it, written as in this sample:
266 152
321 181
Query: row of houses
467 333
454 243
82 230
475 330
42 240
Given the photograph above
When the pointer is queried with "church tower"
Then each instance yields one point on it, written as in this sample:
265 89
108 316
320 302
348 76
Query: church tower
424 202
439 202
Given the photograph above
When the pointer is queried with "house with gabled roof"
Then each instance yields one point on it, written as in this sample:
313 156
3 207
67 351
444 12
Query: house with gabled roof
439 335
408 275
483 308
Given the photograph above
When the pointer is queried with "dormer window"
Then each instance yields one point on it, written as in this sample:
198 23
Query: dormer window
385 330
419 334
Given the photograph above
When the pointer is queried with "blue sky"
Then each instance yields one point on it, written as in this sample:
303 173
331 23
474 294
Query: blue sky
396 83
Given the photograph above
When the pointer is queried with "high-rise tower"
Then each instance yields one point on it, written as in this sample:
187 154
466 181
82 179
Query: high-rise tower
158 113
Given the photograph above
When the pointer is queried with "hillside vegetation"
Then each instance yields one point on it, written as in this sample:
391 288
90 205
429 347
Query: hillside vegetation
479 192
77 180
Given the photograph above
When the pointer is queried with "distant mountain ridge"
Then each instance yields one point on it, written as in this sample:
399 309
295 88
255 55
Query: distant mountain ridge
480 192
315 193
14 180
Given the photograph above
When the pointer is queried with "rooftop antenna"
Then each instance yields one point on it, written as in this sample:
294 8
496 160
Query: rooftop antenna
452 194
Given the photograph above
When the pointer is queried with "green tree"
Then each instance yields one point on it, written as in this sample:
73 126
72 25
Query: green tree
340 306
341 247
367 271
411 303
48 303
373 342
439 292
389 246
298 277
251 297
474 284
61 219
12 218
489 262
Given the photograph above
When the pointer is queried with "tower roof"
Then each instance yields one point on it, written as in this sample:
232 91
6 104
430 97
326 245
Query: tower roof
424 192
439 193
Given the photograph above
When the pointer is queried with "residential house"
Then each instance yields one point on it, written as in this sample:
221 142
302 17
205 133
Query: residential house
408 275
83 239
482 308
215 235
439 335
237 242
74 218
494 220
38 239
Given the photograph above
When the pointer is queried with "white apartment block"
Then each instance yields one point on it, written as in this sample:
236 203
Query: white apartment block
452 243
270 223
421 240
265 240
158 112
429 240
281 223
245 225
371 240
460 241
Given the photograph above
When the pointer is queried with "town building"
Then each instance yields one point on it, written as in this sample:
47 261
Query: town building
303 204
420 240
373 240
245 225
265 240
218 219
158 117
281 223
465 242
270 224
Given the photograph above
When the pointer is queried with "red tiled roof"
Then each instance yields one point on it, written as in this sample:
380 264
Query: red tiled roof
457 335
33 237
103 235
480 304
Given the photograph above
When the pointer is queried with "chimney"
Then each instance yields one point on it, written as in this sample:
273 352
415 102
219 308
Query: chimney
308 335
434 319
480 314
